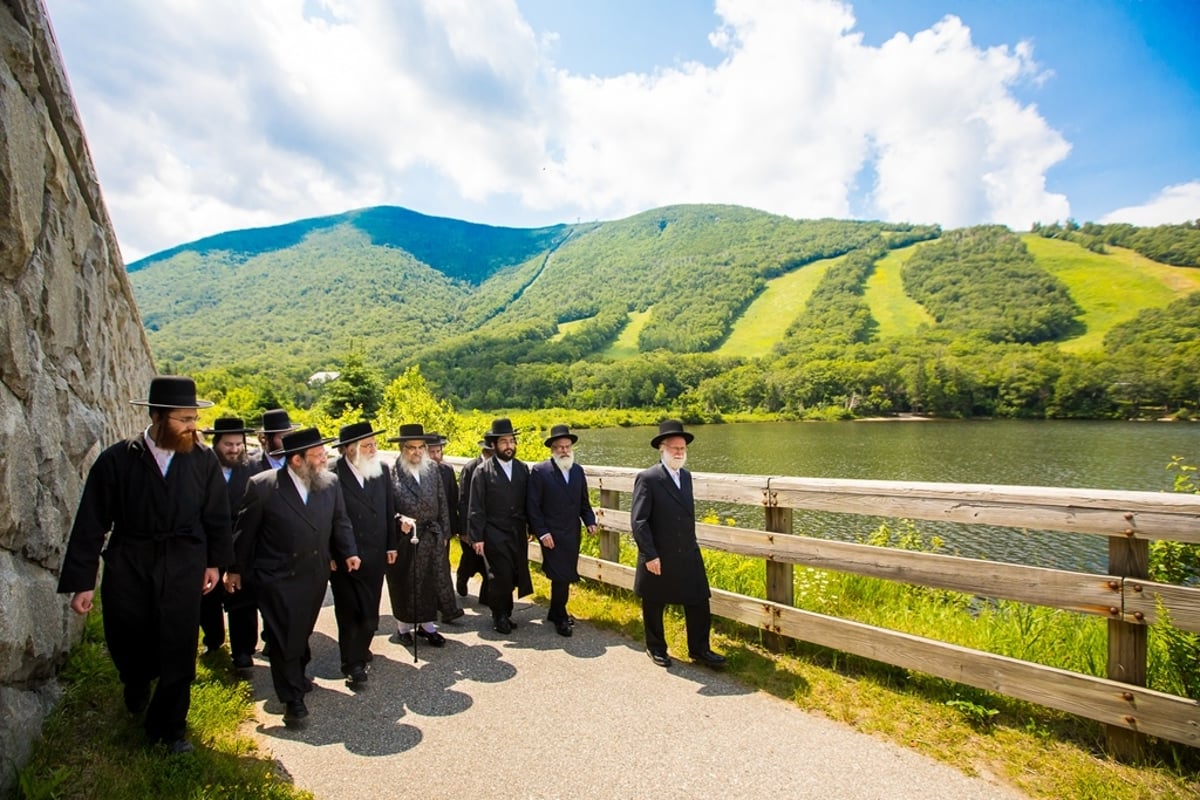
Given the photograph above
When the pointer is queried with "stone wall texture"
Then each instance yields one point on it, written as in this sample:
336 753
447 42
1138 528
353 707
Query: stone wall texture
72 355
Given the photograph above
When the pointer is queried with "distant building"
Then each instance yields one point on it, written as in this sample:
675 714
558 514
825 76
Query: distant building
318 378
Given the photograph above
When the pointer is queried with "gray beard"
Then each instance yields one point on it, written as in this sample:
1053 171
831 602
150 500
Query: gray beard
369 468
565 462
421 469
313 479
674 462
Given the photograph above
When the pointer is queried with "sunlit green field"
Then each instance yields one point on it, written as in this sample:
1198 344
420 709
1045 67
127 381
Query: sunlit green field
1111 288
565 328
896 312
626 344
765 320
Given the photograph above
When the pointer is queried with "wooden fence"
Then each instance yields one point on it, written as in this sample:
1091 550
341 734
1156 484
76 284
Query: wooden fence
1123 596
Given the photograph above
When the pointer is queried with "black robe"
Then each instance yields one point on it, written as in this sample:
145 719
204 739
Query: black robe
285 545
496 517
371 508
663 518
557 507
416 582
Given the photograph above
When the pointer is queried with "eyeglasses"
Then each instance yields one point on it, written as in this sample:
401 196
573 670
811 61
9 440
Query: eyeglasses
191 419
412 448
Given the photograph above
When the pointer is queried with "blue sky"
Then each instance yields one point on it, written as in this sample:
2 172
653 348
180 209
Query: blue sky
209 115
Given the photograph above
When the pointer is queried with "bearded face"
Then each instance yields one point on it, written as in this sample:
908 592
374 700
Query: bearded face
673 452
506 447
365 459
175 430
230 450
563 454
415 458
309 466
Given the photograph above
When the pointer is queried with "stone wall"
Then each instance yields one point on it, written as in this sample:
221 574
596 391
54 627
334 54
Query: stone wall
72 355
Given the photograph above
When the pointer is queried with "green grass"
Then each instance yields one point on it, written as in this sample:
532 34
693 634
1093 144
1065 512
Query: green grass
91 747
766 319
1111 288
896 312
565 328
626 345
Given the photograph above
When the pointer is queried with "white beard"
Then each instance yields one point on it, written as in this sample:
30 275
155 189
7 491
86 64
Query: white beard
565 462
420 469
369 467
674 462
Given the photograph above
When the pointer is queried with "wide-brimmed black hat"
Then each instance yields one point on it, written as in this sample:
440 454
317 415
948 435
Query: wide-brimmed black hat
276 420
172 391
355 432
561 432
484 444
410 431
301 440
224 425
501 426
438 439
668 428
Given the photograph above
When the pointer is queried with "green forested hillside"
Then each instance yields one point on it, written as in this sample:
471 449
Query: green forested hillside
696 310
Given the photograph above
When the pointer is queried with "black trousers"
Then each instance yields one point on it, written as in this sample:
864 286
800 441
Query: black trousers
355 629
499 588
152 592
243 621
560 592
470 564
287 674
697 617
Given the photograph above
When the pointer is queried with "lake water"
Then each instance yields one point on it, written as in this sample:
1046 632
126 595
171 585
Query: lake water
1094 455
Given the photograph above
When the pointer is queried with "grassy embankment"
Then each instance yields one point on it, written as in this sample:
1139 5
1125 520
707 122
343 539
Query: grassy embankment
767 318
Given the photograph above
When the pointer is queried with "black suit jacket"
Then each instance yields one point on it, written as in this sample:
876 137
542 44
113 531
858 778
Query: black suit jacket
557 507
663 517
286 545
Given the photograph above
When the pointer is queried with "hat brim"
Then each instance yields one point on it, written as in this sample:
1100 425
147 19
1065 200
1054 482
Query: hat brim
197 404
223 431
491 437
657 440
353 439
294 427
423 438
302 448
570 436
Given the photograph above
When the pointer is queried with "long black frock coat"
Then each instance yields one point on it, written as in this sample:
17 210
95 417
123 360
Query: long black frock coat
286 545
497 517
239 478
663 518
371 508
557 507
415 580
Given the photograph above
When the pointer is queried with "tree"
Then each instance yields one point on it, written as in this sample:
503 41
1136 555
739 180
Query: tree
357 386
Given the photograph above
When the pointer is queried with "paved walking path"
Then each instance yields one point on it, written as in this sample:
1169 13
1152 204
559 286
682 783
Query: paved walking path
537 715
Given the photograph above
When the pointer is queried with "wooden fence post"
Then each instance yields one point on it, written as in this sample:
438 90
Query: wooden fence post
610 541
780 586
1128 557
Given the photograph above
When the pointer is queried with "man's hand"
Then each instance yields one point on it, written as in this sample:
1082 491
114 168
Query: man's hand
654 566
81 602
391 556
591 529
332 565
352 563
478 548
212 576
233 582
547 541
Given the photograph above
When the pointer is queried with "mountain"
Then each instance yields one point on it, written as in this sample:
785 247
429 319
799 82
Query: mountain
655 304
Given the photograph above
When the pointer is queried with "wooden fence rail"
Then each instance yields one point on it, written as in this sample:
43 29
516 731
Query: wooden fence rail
1123 595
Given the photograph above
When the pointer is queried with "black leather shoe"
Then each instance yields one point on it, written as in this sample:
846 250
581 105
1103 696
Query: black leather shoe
434 638
356 675
137 697
570 620
179 747
405 639
308 685
659 658
709 659
452 616
563 627
242 664
512 623
295 713
502 625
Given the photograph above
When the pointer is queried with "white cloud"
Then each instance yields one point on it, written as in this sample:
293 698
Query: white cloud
1173 205
207 115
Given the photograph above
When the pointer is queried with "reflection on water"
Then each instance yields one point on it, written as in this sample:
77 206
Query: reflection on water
1096 455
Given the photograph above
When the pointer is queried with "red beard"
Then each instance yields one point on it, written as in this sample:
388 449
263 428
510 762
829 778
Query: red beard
182 442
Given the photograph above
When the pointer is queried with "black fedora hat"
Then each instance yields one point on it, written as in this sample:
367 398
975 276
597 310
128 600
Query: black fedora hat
668 428
355 432
436 438
172 391
502 426
276 420
301 440
224 425
410 431
561 432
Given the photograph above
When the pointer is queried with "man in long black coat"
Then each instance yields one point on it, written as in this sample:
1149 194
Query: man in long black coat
275 423
367 489
448 607
557 503
497 525
291 524
670 567
228 439
470 563
162 496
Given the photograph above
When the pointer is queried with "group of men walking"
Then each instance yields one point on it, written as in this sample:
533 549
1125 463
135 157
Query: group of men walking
190 531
